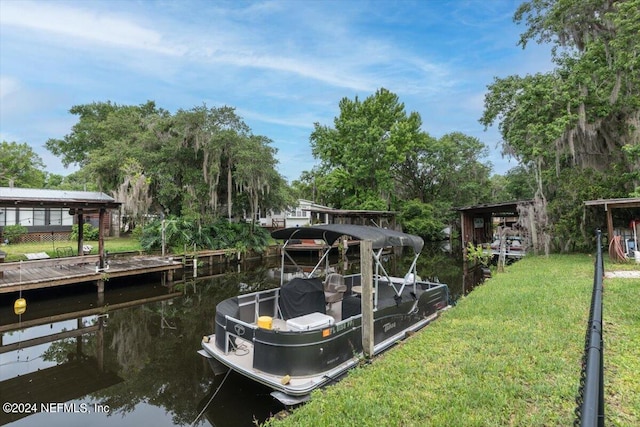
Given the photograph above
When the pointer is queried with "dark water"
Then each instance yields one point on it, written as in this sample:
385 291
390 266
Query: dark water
72 360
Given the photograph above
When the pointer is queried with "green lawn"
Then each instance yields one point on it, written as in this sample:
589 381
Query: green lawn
508 354
622 351
16 251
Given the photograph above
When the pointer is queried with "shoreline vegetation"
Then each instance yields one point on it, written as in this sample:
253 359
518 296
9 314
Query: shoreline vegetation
509 353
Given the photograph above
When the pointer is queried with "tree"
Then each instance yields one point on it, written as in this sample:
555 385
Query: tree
206 155
592 99
422 219
20 166
133 193
368 140
188 163
532 118
305 186
517 184
100 124
376 157
585 114
188 159
255 173
104 135
448 169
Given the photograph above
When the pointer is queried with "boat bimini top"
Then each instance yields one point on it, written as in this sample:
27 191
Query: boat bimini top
380 237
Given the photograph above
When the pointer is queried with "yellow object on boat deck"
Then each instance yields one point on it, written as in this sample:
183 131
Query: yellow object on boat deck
265 322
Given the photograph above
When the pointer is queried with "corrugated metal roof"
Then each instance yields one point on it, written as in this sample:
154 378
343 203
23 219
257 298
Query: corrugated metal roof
629 202
45 197
494 207
43 194
348 212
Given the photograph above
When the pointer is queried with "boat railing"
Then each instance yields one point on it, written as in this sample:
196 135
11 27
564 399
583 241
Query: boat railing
263 303
245 331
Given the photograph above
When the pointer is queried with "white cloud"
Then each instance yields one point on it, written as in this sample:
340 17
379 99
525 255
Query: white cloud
300 121
310 69
317 46
83 25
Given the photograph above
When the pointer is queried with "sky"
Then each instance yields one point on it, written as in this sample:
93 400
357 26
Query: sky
283 65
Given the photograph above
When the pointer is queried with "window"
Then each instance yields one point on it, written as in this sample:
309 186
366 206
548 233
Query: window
38 216
9 216
25 217
60 216
67 218
55 217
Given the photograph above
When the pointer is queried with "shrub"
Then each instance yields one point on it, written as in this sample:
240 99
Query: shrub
220 234
89 232
13 232
421 219
478 254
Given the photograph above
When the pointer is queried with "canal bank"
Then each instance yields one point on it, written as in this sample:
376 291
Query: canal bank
509 353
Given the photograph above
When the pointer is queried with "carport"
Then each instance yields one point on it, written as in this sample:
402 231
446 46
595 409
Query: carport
476 222
632 205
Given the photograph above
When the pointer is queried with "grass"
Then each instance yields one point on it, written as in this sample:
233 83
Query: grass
622 351
508 354
16 251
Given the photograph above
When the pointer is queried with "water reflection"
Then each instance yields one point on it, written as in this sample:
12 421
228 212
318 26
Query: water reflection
130 358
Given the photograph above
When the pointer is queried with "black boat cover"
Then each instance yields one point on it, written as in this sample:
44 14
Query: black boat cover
300 297
380 237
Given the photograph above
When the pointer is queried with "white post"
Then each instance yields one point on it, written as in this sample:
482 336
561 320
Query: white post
195 261
163 237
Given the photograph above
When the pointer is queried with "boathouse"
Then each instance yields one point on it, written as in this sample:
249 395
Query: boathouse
70 267
50 214
478 223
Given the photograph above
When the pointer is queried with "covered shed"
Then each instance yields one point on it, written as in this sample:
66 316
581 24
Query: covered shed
44 211
476 222
628 211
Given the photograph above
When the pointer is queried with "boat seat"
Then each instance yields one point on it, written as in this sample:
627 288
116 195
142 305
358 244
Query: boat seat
334 288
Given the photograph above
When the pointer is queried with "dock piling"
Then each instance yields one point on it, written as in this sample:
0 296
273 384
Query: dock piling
366 268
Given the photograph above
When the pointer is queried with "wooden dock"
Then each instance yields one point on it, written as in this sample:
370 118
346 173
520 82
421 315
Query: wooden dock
27 275
223 256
